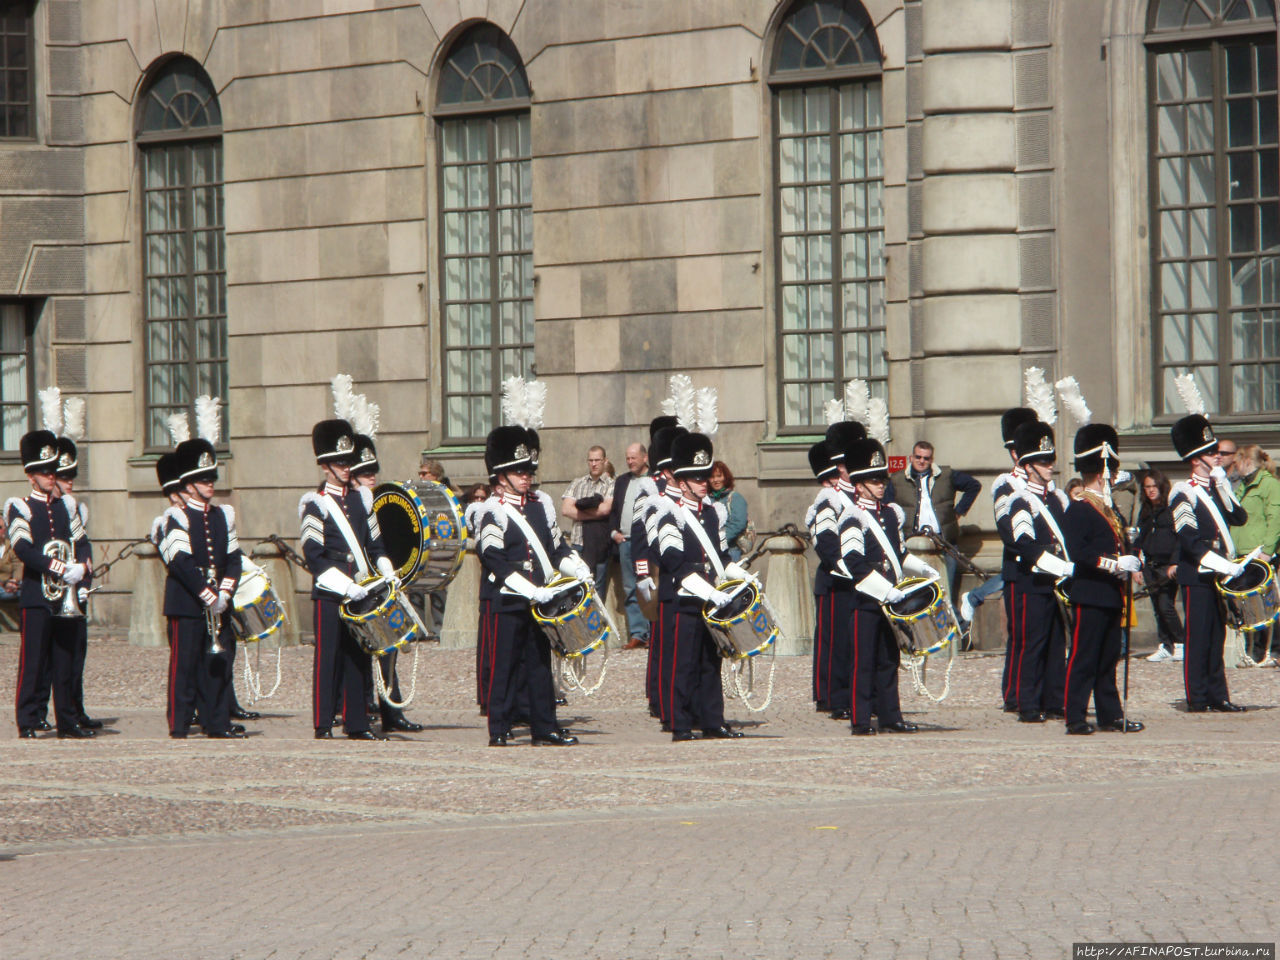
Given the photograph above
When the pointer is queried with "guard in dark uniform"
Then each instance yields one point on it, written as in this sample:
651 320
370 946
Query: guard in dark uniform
873 553
521 549
644 558
34 521
340 541
1204 508
690 560
823 522
1099 548
201 552
68 469
364 473
1002 491
1037 521
833 646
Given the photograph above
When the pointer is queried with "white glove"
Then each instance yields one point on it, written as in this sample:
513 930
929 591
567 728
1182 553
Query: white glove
699 587
1129 563
646 589
387 569
1218 475
876 586
522 587
719 598
542 595
356 592
919 568
1237 569
83 596
893 595
574 566
74 573
737 571
1055 566
1219 564
219 606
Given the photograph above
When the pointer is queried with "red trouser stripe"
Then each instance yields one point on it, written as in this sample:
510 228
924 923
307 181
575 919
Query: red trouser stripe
853 699
22 661
173 673
1075 644
315 679
1186 644
675 653
1022 649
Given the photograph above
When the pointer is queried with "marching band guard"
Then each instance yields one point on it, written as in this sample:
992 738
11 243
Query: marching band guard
201 553
1037 517
1203 508
692 555
822 522
644 557
520 548
364 473
1003 489
340 541
1102 564
68 468
872 547
34 522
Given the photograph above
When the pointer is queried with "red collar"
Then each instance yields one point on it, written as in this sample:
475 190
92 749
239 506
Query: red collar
1197 481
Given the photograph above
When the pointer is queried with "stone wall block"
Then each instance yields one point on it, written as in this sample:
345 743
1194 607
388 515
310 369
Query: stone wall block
972 383
968 324
968 25
976 142
964 82
970 264
968 204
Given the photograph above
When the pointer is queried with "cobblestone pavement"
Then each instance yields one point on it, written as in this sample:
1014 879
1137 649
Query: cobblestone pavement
979 837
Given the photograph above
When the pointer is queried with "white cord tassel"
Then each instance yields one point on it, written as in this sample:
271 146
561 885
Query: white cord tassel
1189 393
1040 396
73 418
179 427
1073 400
833 411
340 386
878 420
51 409
708 423
383 693
857 401
208 418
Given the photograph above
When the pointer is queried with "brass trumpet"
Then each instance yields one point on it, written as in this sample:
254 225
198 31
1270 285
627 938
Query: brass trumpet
54 589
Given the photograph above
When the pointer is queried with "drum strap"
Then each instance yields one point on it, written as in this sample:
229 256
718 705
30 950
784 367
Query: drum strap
873 524
1203 496
699 531
339 518
548 571
1041 510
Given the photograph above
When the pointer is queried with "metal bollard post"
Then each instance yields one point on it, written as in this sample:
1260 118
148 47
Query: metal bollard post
146 606
790 592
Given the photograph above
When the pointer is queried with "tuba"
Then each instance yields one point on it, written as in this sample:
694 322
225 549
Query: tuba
53 588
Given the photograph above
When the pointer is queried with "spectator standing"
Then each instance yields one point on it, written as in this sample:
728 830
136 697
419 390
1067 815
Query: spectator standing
720 489
1258 491
10 566
626 490
432 470
587 502
1075 488
1158 543
928 496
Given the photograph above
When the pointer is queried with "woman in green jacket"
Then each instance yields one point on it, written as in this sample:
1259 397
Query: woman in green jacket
1259 494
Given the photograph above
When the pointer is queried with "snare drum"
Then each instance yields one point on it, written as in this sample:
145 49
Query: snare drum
742 627
256 611
1253 598
574 619
924 621
383 621
423 529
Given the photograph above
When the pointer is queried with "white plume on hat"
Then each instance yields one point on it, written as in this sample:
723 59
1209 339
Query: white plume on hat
878 420
694 410
208 418
1189 393
340 387
179 427
833 411
707 419
1040 396
524 402
857 401
51 409
365 416
73 418
1073 400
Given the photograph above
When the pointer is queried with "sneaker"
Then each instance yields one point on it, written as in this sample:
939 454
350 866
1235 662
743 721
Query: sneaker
1177 651
966 608
1161 655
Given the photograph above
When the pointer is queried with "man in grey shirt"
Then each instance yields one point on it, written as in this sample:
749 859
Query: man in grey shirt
587 503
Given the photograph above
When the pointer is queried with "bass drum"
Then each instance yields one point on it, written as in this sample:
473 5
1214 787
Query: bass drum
423 530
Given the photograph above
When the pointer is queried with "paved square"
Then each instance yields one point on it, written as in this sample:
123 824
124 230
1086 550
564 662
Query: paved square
978 837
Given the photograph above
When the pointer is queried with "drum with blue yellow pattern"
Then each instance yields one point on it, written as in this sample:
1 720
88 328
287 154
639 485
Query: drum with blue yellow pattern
574 619
384 620
742 627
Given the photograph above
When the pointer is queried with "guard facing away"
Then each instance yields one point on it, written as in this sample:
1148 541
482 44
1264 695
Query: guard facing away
1204 508
521 552
342 545
644 559
692 558
871 544
201 553
1100 599
1037 517
1003 490
43 536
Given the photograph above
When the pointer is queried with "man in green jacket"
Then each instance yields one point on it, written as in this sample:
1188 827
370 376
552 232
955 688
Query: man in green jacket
1258 491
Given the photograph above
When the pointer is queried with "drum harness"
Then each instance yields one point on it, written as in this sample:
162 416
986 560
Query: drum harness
380 689
736 666
572 669
915 664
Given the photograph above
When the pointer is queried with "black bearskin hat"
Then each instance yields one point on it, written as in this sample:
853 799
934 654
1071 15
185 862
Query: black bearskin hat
820 461
333 440
865 460
691 456
1192 435
68 462
1089 449
660 448
1034 441
511 448
39 450
840 435
660 423
1011 420
197 460
167 473
366 456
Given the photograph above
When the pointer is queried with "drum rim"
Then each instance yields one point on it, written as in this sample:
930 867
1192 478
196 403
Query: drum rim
461 514
1254 590
574 611
369 583
755 602
424 526
919 614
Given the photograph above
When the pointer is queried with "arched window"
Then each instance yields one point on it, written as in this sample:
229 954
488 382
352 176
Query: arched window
486 228
179 139
829 178
1215 202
